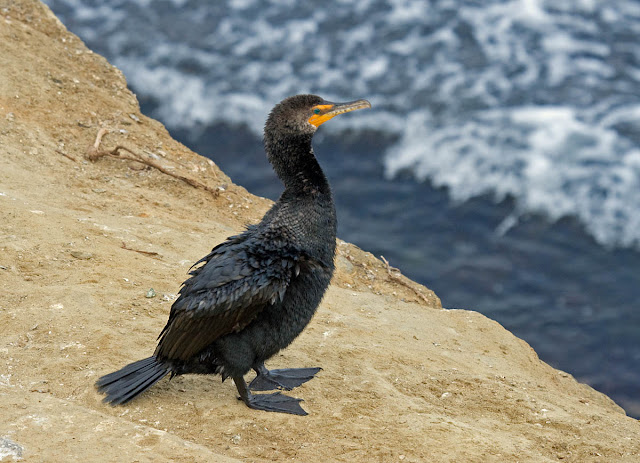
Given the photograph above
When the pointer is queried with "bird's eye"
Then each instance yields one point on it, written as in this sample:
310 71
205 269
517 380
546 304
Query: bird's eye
316 111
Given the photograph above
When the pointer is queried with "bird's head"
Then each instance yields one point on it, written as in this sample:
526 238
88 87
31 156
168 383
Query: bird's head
305 113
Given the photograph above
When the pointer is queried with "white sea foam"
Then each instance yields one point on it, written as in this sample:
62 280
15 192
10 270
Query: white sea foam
530 98
548 159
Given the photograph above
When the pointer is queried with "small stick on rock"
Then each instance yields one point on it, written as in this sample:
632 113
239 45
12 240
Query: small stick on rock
148 253
67 155
101 133
94 153
399 280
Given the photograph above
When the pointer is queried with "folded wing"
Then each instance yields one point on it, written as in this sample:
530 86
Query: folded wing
239 278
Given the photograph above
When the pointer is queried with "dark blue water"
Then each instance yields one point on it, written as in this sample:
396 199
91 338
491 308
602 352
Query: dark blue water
500 165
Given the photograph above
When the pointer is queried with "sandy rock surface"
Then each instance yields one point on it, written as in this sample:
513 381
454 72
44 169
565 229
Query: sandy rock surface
82 243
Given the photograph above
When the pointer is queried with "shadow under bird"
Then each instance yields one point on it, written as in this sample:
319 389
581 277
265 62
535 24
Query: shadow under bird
253 294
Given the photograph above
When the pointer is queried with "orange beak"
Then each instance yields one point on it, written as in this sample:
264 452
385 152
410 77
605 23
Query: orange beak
324 112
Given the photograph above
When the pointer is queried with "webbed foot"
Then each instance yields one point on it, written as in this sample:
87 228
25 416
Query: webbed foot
286 378
276 402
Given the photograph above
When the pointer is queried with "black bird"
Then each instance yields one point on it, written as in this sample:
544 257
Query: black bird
256 291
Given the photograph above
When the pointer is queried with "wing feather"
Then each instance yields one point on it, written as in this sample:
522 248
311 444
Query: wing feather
238 279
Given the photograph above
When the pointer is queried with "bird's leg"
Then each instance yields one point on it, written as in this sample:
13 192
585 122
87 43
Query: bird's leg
275 402
287 379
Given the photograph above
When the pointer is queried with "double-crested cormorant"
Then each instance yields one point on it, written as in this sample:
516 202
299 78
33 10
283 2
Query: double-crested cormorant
256 291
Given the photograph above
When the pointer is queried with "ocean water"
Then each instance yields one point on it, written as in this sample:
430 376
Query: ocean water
500 164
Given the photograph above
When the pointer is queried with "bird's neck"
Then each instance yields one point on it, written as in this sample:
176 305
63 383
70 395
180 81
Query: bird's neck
295 164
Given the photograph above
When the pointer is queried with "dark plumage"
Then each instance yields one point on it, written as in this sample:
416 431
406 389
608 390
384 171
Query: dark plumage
255 292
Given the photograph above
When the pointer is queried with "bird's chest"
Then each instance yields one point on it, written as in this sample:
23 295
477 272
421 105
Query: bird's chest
302 298
313 228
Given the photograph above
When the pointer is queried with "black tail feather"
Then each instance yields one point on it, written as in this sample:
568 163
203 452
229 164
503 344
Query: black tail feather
131 368
123 385
130 380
